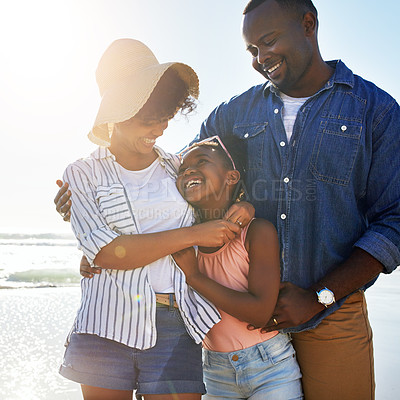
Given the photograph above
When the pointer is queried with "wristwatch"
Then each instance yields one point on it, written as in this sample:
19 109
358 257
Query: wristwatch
326 297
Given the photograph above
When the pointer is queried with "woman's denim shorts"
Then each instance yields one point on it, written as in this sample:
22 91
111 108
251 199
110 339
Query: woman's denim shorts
174 365
265 371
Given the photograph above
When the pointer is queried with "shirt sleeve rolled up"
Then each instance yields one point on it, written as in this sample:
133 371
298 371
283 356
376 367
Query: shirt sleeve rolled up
382 237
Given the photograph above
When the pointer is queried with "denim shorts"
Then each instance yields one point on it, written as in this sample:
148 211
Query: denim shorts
265 371
174 365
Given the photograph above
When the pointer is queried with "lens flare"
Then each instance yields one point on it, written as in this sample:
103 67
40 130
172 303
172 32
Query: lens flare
138 298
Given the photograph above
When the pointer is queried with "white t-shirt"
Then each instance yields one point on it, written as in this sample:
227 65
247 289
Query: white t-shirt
158 206
291 106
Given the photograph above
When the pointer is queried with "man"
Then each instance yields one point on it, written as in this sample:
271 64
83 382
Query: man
324 166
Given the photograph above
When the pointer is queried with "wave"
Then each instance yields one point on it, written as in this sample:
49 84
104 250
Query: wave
33 242
41 278
22 236
37 239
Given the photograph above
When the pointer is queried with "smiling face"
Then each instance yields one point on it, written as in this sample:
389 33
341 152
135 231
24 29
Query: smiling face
205 180
283 46
132 141
136 136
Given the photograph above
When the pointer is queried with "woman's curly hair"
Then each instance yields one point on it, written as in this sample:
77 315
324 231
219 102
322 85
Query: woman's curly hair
170 95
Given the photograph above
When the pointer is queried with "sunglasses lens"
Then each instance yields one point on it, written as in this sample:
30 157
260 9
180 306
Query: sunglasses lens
213 141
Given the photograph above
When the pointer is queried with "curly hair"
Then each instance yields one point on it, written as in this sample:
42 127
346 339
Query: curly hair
237 149
170 95
299 7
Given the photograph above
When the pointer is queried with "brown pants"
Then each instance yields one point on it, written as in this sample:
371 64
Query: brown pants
336 358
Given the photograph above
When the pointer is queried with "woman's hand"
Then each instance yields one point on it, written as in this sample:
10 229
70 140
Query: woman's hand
86 270
62 201
214 233
240 213
187 262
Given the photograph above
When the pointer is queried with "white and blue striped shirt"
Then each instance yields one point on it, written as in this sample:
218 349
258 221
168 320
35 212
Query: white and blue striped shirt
116 304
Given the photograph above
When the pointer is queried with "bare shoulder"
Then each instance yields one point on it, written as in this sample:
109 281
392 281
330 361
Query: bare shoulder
261 231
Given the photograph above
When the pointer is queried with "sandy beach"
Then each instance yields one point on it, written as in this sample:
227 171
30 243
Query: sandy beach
35 322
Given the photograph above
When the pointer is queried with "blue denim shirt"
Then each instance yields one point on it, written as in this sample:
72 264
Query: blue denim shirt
334 186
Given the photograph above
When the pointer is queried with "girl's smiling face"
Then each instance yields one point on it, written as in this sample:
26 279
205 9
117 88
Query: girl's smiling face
205 180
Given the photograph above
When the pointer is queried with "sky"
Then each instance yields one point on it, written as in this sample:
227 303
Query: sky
49 50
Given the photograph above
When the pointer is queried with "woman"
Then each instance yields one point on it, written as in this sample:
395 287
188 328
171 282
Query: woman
125 211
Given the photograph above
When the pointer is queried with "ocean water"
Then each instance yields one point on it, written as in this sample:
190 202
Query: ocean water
30 260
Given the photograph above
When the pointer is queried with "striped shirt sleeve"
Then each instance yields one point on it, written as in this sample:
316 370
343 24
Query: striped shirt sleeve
87 223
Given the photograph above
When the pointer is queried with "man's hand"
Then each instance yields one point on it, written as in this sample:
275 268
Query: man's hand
86 270
294 307
62 200
240 213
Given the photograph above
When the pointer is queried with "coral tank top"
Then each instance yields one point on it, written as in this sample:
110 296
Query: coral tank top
229 266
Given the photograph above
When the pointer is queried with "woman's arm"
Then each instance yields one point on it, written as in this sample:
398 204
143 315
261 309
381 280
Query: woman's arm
256 305
109 249
135 251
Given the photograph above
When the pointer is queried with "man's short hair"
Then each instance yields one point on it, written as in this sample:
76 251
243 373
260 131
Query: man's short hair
300 7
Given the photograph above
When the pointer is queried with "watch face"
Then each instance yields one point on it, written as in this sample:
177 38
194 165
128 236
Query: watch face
325 296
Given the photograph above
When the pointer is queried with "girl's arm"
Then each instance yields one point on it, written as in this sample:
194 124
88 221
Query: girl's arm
256 305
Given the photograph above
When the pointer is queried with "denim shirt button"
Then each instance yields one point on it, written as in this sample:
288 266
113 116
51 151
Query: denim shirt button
286 180
282 144
343 128
246 135
283 216
276 110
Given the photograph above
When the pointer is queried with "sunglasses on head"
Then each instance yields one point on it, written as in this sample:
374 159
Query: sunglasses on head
212 141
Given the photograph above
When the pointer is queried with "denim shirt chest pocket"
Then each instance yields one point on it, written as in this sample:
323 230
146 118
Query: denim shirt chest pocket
254 137
338 139
113 207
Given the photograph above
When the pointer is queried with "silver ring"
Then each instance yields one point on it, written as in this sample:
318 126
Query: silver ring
239 223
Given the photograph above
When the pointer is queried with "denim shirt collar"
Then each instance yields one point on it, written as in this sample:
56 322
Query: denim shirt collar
341 76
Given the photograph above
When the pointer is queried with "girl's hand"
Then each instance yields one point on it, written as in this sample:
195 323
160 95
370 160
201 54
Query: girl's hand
187 262
240 213
86 270
62 200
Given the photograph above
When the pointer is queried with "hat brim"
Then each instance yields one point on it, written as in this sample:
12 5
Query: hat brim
125 98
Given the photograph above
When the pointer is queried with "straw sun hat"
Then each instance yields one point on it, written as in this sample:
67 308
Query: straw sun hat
126 75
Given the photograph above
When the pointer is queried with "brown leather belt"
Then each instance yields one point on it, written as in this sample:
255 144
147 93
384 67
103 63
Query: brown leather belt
163 298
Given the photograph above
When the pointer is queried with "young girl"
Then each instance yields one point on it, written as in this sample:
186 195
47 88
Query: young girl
242 279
